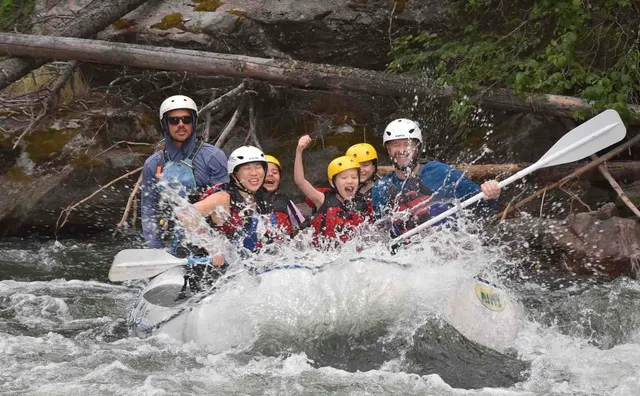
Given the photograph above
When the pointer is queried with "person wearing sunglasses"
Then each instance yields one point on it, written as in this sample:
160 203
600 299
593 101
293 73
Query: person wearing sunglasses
185 165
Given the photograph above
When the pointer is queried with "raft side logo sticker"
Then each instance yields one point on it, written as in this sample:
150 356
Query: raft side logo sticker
489 297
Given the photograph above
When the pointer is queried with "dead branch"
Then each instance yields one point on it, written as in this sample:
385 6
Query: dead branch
278 71
67 211
127 208
603 169
252 136
207 124
591 165
232 123
575 197
228 97
60 82
119 143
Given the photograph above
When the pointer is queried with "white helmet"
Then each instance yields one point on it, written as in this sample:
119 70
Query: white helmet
177 102
401 128
244 155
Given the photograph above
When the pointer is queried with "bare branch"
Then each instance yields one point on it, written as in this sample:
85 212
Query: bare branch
252 136
119 143
207 124
232 123
67 211
603 169
60 82
127 208
231 95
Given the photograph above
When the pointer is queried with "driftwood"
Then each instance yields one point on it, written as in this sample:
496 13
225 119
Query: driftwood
614 184
64 215
127 209
288 72
232 123
627 170
88 23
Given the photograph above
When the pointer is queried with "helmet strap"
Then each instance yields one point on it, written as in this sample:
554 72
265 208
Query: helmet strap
241 186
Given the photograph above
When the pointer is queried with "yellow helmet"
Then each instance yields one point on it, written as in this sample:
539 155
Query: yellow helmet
273 160
341 164
362 152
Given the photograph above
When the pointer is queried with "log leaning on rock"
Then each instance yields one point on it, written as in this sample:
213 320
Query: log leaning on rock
86 24
279 71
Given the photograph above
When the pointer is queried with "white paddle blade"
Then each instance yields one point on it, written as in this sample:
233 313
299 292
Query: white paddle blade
592 136
141 263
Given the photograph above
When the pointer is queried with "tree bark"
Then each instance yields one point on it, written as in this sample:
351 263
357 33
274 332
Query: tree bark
628 171
87 24
279 71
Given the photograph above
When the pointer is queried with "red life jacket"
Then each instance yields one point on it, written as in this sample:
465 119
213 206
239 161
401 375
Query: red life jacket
336 220
411 204
242 223
280 205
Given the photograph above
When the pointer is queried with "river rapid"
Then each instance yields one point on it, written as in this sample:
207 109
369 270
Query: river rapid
367 323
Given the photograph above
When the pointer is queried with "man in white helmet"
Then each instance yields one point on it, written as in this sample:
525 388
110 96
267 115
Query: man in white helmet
413 193
186 164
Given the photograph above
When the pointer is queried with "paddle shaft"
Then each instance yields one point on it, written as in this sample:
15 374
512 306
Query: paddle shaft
540 164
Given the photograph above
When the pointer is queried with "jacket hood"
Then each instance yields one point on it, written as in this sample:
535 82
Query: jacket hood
174 153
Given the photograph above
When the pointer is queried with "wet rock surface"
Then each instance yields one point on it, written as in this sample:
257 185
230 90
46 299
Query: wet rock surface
589 243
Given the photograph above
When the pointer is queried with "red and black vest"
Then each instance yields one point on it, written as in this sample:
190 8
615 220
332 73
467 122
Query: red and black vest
281 207
243 221
336 220
409 204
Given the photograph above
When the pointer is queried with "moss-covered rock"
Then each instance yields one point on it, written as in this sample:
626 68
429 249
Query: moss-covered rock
207 5
45 144
173 20
18 174
123 23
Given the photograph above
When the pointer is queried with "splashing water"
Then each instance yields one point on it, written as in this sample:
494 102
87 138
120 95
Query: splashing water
366 323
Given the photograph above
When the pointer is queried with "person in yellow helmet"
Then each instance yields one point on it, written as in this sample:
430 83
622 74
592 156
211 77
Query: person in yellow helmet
339 210
288 216
367 157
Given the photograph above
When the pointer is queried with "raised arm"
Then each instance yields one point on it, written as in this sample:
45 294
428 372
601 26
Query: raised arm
298 174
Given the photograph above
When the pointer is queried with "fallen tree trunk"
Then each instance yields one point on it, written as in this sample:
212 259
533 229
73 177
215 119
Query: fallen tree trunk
86 24
280 71
627 171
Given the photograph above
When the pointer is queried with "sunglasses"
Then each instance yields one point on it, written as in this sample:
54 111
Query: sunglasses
186 120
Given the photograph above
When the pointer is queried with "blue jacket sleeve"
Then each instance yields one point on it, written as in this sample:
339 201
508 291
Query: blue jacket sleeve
149 205
217 168
449 183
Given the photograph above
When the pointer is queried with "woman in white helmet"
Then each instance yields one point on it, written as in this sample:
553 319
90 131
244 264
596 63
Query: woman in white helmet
236 208
184 164
412 193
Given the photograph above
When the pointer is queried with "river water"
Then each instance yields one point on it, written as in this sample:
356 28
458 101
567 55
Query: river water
370 324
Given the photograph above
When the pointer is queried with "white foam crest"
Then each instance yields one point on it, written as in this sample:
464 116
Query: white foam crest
37 311
352 292
564 364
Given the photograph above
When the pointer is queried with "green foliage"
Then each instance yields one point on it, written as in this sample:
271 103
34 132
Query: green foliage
15 15
565 47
